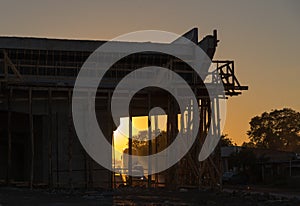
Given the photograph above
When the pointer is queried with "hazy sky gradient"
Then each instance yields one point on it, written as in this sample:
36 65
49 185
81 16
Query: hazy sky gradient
261 36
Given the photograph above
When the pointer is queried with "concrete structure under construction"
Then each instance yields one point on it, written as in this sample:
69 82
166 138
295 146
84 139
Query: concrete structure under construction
38 143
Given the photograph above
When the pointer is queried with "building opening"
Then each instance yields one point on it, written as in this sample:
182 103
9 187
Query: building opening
145 140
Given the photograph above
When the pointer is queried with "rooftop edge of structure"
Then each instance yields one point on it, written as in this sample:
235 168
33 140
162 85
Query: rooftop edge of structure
42 43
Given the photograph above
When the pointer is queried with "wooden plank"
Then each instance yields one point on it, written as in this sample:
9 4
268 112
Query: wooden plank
31 137
70 138
57 149
90 160
130 150
149 143
112 183
5 67
167 177
50 174
9 139
156 147
12 66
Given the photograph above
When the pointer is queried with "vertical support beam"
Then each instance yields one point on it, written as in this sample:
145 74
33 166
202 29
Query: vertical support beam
8 177
57 149
50 174
156 145
130 150
70 138
213 118
166 174
31 137
86 160
172 128
201 140
188 119
112 183
113 178
5 65
90 161
220 165
149 143
111 138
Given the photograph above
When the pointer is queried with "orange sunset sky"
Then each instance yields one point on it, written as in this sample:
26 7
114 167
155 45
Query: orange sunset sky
262 37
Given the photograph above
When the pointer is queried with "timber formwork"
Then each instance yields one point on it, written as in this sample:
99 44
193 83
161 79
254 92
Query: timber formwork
38 143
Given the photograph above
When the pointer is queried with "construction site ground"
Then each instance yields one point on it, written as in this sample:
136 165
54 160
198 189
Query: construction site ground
245 196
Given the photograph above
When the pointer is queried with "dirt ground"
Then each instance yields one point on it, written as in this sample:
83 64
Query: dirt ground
136 196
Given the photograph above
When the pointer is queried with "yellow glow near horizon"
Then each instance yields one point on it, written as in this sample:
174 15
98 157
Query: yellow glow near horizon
138 124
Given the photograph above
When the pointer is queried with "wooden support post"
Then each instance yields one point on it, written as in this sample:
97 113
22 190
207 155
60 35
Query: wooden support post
5 66
70 139
200 134
174 128
219 158
31 137
171 132
149 143
57 149
87 162
113 177
168 178
90 160
8 175
50 174
130 151
156 147
111 138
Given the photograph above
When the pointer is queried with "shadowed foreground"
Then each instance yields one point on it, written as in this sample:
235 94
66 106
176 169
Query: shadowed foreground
136 196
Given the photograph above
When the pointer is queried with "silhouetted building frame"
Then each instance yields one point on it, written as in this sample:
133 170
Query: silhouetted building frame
38 143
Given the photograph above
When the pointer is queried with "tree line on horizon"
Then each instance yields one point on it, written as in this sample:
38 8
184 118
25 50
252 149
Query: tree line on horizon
275 130
278 129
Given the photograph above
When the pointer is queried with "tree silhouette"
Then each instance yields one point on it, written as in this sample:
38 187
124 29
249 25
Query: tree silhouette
140 142
279 130
225 141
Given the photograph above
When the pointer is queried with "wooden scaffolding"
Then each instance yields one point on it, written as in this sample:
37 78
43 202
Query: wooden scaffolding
37 83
